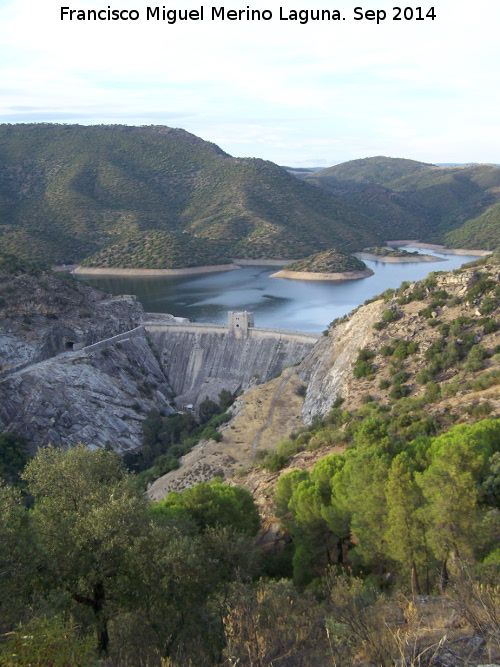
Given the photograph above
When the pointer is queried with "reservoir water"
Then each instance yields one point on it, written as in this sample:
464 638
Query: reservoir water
277 302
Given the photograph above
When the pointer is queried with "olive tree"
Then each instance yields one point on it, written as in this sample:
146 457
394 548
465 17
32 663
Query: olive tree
87 517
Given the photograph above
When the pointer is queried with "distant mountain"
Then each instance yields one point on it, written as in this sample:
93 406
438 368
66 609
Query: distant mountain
376 170
159 197
408 199
68 192
361 184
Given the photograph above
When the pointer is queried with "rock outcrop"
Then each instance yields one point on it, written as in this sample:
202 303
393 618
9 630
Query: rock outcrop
44 314
97 396
328 367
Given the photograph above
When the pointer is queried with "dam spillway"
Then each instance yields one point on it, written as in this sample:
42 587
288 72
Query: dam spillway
200 360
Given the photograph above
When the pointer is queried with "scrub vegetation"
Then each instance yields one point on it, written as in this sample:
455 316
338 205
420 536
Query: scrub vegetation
120 196
404 199
390 552
329 261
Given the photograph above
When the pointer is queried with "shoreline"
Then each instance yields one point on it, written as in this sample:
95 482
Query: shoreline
398 260
293 275
146 273
236 264
311 275
439 248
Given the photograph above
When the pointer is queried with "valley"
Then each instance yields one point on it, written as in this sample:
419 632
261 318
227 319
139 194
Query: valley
307 474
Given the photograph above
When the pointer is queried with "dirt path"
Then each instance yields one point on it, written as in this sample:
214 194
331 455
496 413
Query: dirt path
271 412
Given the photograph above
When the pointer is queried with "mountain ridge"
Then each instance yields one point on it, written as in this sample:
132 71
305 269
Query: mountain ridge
439 203
69 191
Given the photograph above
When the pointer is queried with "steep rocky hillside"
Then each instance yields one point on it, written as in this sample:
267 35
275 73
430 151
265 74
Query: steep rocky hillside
421 358
52 392
97 397
43 313
68 192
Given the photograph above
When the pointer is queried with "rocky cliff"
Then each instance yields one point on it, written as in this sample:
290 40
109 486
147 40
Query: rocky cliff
327 369
97 397
52 390
43 313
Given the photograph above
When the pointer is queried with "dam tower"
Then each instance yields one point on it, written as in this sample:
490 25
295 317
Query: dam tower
239 323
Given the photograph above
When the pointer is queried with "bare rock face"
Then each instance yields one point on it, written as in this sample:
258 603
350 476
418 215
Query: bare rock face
328 367
52 390
43 314
457 283
97 397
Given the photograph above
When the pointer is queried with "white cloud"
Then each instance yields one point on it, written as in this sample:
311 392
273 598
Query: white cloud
283 91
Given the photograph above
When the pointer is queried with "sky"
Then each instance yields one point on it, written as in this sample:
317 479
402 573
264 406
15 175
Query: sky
303 95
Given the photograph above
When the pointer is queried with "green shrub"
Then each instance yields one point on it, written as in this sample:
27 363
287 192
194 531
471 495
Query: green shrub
363 369
487 380
399 391
287 448
47 641
387 294
404 349
444 329
476 357
490 326
426 312
384 384
423 376
335 416
480 410
365 354
390 315
400 377
13 457
274 462
483 286
443 355
487 306
430 282
432 392
386 350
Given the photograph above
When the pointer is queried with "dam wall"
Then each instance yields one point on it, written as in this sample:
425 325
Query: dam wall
200 360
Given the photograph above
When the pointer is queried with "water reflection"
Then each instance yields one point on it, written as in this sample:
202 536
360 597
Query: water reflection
276 302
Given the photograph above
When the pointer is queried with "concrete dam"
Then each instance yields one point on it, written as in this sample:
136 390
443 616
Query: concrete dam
200 360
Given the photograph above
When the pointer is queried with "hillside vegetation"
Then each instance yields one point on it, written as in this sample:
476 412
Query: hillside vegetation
388 505
457 206
157 197
68 192
329 261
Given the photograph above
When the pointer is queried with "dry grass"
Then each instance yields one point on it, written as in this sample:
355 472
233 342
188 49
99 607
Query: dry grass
262 416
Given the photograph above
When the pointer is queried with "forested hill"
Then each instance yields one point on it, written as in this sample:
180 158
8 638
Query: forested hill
158 197
379 170
69 191
456 206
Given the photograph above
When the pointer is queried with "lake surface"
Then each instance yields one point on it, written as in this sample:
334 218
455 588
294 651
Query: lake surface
277 302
